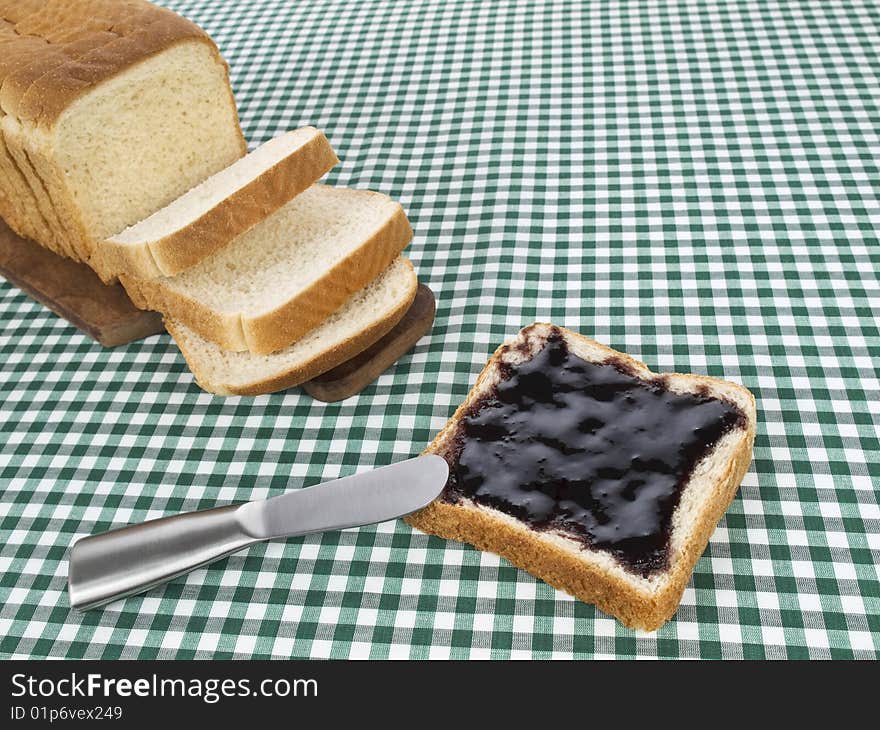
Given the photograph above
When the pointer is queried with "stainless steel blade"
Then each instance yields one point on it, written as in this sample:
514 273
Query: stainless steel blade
361 499
132 559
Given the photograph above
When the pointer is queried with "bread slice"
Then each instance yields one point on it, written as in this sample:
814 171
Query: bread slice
221 208
554 551
285 275
109 112
364 319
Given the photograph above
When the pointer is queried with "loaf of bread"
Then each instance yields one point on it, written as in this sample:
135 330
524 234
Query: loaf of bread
287 274
364 319
109 110
120 147
211 215
578 464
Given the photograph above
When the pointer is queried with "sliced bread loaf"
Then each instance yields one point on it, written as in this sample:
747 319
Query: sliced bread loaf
221 208
109 112
363 320
580 465
285 275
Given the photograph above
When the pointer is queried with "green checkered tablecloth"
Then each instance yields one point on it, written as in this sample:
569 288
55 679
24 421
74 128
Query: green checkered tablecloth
693 182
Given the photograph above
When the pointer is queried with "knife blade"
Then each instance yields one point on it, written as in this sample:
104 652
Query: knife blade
133 559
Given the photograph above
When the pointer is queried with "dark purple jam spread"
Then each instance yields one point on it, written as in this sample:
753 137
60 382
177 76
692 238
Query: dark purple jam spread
587 449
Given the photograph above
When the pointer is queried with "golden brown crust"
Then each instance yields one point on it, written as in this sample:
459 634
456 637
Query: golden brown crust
566 570
29 63
19 205
220 225
276 329
132 32
305 370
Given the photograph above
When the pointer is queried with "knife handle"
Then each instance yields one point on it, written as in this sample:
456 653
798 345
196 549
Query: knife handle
133 559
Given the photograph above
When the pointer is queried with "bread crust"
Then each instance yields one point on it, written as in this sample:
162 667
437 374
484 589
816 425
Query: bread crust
589 580
151 30
56 238
304 371
19 204
49 46
277 328
217 227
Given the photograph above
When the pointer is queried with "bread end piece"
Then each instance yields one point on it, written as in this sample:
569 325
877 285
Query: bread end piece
587 574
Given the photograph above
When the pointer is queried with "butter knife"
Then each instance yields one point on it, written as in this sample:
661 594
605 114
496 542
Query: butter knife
133 559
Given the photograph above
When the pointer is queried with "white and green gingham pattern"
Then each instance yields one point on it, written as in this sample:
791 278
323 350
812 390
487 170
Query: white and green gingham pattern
694 182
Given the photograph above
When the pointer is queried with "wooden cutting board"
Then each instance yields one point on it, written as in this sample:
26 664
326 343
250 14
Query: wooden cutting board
73 291
356 374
